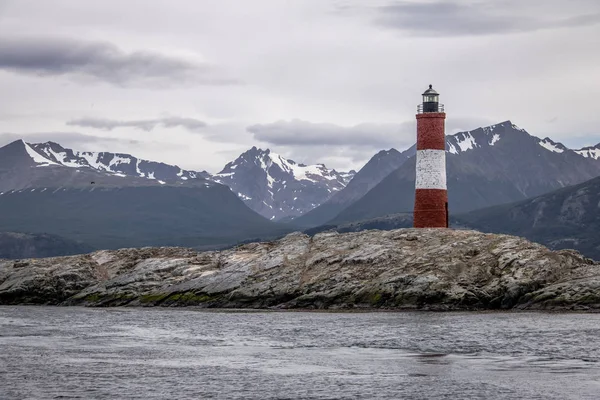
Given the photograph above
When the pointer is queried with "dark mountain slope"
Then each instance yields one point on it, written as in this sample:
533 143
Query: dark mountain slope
565 218
378 167
114 217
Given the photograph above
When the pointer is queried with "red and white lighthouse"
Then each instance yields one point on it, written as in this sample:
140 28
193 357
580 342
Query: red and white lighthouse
431 194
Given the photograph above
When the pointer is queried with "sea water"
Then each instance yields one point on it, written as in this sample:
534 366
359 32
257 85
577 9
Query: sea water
139 353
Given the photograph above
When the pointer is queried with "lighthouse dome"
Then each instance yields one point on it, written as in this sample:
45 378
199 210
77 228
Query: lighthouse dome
430 92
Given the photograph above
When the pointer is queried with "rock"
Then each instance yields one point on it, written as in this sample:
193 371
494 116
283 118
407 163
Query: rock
430 269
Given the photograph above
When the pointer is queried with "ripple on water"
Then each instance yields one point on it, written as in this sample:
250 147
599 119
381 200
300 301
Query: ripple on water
156 353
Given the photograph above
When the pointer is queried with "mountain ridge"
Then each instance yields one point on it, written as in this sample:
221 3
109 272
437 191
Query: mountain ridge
274 186
277 187
491 165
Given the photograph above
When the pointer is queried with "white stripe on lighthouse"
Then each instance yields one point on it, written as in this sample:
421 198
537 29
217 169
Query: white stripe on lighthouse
431 169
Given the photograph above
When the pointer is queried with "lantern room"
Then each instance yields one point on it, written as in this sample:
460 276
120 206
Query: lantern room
431 102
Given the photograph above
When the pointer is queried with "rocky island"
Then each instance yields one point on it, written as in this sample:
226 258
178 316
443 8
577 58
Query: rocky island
404 269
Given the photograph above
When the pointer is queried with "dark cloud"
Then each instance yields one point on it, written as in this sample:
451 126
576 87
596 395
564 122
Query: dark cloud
190 124
103 62
303 133
464 18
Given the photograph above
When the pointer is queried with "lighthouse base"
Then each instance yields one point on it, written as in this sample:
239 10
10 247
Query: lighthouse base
431 208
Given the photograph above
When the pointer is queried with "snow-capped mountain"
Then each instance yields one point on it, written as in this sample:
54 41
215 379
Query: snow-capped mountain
486 166
268 183
276 187
89 197
113 163
490 135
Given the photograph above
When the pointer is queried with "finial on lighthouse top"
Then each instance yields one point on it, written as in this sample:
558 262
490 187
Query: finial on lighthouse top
431 102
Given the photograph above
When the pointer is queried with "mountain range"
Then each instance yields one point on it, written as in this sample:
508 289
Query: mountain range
104 202
487 166
276 187
268 183
110 200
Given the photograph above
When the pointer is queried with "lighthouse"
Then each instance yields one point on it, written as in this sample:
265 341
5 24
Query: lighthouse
431 194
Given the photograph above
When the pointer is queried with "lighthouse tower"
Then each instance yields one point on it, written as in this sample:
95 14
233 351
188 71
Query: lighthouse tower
431 195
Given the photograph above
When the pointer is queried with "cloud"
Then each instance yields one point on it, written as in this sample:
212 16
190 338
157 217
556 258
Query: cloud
346 147
304 133
454 18
190 124
105 62
64 138
336 146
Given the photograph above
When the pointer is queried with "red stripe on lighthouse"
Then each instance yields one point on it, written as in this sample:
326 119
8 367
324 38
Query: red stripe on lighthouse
430 131
431 196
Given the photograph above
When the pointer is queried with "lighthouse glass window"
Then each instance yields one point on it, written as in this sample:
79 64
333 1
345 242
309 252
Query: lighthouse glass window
431 99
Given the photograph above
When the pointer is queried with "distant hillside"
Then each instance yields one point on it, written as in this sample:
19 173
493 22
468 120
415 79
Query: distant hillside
25 245
563 219
115 217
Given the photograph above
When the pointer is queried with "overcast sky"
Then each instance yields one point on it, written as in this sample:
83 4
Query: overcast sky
197 82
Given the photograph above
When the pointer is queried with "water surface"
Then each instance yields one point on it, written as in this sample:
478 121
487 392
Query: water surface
48 352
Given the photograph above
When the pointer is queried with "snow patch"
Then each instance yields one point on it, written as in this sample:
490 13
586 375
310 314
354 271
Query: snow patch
37 157
61 157
495 139
517 128
92 160
467 142
137 168
118 160
591 152
548 145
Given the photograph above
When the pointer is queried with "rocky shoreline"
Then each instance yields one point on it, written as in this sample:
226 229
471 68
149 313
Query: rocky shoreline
404 269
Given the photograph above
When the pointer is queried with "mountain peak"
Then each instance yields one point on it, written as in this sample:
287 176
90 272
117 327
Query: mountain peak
21 154
277 187
386 153
490 135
